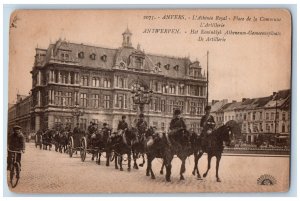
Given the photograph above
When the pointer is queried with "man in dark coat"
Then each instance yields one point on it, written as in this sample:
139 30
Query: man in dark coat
208 124
177 127
122 126
16 142
141 124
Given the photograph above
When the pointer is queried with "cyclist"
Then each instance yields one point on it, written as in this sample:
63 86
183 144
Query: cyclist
16 142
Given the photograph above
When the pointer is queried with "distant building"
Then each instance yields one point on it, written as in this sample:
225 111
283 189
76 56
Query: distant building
266 116
20 113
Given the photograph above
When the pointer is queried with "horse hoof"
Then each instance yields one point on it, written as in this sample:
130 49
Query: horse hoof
218 180
121 169
128 169
107 164
136 167
193 173
152 177
168 180
199 177
116 168
161 172
181 178
204 175
147 174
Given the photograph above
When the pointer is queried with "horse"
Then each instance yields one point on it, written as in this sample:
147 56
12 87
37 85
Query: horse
213 148
122 144
138 146
102 142
165 147
47 139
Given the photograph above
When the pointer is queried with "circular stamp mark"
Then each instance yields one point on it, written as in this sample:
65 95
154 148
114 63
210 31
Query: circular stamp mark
266 180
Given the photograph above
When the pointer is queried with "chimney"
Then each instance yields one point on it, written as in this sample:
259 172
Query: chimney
244 99
233 101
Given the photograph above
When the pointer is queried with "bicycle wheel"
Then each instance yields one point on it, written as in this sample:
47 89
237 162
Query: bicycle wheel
14 175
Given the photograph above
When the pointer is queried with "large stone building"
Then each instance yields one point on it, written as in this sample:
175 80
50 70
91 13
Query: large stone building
100 81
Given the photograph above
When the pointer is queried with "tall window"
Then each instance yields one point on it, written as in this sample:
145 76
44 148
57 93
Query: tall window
58 99
121 83
180 105
106 83
171 106
193 108
95 100
267 116
68 99
181 90
194 90
120 101
260 115
95 82
253 116
283 116
197 73
83 100
283 128
172 89
106 101
83 123
163 105
84 81
272 115
163 127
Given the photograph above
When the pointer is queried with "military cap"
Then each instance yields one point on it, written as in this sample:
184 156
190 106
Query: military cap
207 107
16 127
177 111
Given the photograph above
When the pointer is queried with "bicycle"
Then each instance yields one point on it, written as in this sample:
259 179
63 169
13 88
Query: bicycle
14 169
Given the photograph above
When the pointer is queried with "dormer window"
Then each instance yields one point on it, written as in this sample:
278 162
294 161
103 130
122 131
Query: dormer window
93 56
104 58
81 55
176 67
167 66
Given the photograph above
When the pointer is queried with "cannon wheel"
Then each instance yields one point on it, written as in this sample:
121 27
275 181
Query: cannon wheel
71 146
83 145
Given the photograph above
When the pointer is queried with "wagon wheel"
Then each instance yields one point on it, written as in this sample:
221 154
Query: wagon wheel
36 141
71 146
41 142
83 145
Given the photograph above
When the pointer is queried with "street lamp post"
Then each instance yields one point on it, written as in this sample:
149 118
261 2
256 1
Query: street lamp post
141 97
77 112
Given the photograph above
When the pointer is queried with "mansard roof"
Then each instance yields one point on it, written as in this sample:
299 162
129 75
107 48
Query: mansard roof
174 67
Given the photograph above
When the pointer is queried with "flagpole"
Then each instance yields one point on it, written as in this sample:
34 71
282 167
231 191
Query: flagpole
207 78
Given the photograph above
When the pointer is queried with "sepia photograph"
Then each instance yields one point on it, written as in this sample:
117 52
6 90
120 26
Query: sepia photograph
149 101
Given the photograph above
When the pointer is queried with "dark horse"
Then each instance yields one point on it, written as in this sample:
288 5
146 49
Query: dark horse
122 144
47 139
213 147
102 143
138 146
166 147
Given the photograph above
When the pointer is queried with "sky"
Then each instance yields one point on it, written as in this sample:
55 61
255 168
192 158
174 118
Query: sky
240 67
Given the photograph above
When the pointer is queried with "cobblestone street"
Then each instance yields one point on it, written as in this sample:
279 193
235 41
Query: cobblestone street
52 172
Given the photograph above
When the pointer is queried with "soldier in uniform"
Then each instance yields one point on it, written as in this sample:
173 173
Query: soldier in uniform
16 142
122 126
141 125
207 124
177 125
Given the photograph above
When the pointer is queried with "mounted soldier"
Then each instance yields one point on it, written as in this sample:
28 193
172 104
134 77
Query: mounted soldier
122 126
207 124
177 126
141 125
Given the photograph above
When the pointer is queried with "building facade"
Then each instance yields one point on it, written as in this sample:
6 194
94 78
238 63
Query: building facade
20 113
266 116
99 82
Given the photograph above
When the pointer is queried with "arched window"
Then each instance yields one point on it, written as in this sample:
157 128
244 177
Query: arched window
283 128
121 83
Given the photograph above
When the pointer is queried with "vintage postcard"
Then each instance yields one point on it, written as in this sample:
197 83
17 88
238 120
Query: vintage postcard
149 101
